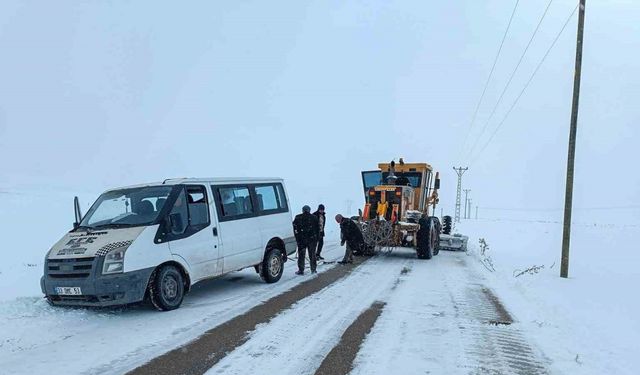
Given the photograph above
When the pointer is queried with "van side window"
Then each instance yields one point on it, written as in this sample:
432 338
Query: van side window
266 197
235 201
198 207
270 199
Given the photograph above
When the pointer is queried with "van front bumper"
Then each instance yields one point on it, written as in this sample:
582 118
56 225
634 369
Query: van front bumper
98 290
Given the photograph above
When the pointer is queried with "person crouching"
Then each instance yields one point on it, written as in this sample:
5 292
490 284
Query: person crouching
351 235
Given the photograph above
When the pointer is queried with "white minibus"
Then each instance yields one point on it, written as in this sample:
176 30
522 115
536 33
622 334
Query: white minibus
155 241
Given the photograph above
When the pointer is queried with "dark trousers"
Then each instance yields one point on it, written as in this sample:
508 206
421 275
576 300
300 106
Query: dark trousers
348 253
302 249
320 243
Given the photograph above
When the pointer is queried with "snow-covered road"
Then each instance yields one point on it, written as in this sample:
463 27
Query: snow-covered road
37 338
442 304
448 315
439 318
443 319
297 341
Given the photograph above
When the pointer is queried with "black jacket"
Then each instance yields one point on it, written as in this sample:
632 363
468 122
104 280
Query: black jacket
317 214
351 232
305 228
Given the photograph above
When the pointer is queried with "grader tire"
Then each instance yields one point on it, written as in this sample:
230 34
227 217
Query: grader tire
446 227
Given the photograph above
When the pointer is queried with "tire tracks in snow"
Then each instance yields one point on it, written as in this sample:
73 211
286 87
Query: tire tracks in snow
197 356
444 320
317 328
339 361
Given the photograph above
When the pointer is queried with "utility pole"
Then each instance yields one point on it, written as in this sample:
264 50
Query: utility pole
469 217
568 198
466 202
459 171
476 212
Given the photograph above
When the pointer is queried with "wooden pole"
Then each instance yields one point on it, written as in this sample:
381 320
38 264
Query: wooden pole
568 200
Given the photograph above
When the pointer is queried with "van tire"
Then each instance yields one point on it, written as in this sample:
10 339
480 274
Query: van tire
272 266
166 289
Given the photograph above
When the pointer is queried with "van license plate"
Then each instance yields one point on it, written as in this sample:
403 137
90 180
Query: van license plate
68 291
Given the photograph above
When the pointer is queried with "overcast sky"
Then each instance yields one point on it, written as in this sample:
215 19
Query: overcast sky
96 94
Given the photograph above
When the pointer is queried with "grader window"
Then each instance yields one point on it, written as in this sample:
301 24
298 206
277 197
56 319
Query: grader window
415 178
371 179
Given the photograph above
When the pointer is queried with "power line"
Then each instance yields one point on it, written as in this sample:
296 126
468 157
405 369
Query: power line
513 73
486 84
525 209
525 86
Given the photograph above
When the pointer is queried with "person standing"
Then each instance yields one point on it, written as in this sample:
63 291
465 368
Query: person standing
321 222
305 229
351 235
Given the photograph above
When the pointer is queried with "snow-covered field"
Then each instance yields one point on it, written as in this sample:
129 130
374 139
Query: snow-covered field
587 324
31 221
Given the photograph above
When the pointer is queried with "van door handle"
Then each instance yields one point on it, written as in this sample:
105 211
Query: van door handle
215 231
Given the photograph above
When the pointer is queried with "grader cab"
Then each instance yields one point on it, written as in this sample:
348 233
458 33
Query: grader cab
400 191
400 199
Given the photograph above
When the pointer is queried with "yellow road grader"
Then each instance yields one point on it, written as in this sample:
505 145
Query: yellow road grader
400 202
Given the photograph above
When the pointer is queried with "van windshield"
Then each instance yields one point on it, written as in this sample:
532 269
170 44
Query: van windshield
127 207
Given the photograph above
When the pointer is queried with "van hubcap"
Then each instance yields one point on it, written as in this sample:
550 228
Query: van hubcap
274 266
170 287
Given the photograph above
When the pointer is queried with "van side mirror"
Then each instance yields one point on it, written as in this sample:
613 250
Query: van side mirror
77 213
437 184
175 223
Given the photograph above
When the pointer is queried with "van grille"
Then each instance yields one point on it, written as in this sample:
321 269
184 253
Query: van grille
90 299
70 268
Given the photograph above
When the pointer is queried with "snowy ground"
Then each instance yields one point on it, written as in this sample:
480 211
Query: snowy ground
36 337
304 334
434 320
589 322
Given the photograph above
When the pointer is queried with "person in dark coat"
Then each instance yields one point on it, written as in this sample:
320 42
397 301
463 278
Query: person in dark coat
321 223
351 235
305 228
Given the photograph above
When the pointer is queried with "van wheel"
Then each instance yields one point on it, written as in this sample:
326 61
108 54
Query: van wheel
166 289
272 266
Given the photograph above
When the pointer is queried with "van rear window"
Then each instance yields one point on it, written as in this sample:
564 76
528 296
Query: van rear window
235 202
267 199
271 198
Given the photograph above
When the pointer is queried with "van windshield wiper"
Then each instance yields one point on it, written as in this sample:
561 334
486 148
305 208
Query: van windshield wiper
115 225
83 227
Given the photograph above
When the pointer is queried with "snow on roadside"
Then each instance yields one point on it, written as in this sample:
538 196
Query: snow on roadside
586 324
31 221
37 337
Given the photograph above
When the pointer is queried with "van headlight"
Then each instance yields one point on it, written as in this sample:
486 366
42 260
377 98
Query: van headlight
114 261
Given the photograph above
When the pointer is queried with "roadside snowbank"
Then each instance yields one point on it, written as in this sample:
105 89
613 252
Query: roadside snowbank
590 321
